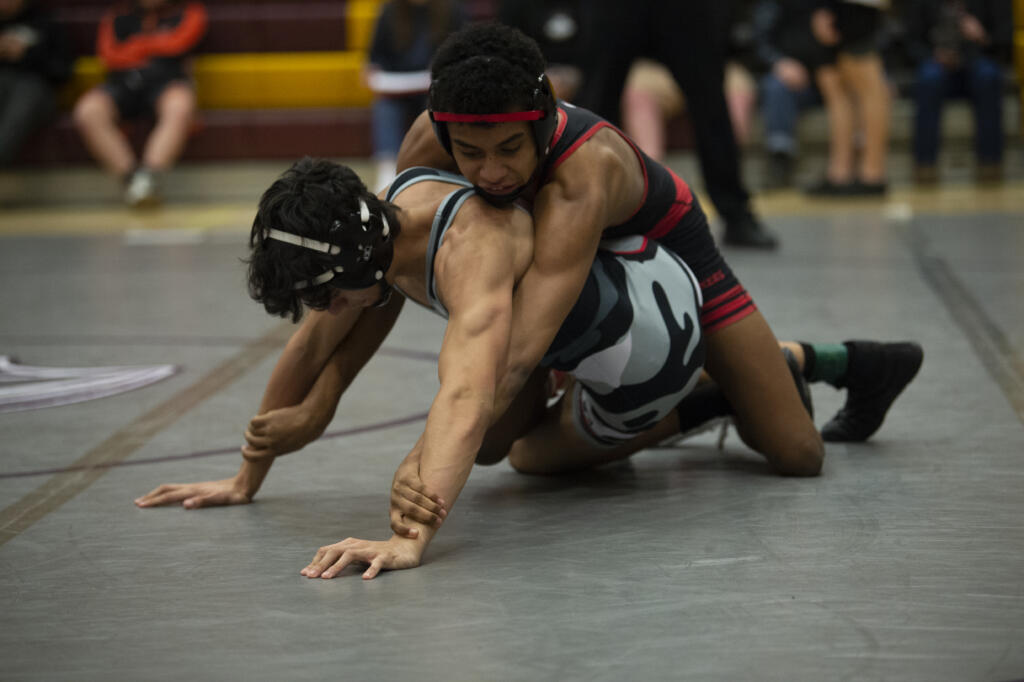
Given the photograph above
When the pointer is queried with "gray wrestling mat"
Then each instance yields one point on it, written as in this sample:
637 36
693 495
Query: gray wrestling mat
904 561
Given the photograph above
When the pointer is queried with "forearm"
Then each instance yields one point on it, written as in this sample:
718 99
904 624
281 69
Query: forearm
296 375
447 450
511 383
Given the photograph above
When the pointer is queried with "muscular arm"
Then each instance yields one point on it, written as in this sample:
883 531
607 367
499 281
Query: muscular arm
317 365
569 216
476 283
475 280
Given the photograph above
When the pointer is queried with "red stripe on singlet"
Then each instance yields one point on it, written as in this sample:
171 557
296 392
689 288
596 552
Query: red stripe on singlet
680 207
720 312
576 145
717 300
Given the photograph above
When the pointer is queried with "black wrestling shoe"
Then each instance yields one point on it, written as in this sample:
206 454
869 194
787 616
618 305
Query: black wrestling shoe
747 231
877 373
798 378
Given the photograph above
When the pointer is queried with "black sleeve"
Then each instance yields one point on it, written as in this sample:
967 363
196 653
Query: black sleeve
999 24
49 56
381 49
764 19
917 22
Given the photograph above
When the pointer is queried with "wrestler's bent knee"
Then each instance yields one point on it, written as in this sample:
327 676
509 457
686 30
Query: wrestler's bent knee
803 458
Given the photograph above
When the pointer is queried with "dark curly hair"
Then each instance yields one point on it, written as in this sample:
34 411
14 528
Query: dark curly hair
485 69
306 201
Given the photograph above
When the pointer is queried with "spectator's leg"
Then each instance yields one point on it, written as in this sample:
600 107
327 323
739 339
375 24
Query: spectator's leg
780 110
839 108
26 102
779 113
175 108
700 72
388 129
985 88
95 117
865 75
741 98
929 93
643 119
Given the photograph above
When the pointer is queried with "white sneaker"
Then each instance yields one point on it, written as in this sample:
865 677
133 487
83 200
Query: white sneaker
141 190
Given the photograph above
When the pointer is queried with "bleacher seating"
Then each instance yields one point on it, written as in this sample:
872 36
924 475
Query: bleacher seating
274 79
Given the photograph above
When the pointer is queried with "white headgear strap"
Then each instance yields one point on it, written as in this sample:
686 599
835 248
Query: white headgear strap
324 247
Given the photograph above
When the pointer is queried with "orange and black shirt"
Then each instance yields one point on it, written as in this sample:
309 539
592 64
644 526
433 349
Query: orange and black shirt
131 37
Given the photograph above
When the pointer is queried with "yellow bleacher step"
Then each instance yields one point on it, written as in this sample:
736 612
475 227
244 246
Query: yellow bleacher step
277 80
361 17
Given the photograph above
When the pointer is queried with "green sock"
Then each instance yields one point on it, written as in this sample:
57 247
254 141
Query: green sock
825 362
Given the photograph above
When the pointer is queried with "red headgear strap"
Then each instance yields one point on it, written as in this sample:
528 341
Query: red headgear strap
534 115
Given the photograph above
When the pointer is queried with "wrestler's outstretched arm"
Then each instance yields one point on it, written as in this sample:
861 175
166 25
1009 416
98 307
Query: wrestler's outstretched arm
475 282
319 362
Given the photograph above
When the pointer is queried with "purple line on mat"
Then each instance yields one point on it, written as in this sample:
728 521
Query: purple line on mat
210 453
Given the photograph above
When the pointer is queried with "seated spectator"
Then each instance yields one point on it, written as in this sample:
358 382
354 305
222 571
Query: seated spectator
786 49
143 45
33 61
398 70
959 48
856 95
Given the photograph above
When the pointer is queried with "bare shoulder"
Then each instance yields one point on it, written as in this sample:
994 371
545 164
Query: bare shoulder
487 240
603 179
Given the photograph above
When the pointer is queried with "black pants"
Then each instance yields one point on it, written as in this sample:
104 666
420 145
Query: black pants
689 37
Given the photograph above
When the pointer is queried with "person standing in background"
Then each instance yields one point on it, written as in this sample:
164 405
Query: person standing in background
856 93
691 39
144 46
788 52
398 71
959 48
33 61
556 27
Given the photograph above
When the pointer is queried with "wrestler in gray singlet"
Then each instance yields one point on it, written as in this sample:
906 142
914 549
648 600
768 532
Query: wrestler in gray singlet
632 341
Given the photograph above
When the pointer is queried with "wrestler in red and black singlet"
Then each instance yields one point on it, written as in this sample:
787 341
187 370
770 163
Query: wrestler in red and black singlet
668 213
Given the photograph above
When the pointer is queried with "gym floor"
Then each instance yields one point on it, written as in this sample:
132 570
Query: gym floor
903 561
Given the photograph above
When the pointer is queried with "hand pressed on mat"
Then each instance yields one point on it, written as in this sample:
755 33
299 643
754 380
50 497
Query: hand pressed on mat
195 495
394 554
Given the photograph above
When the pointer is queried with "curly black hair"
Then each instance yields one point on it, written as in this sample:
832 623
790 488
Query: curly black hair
485 69
306 200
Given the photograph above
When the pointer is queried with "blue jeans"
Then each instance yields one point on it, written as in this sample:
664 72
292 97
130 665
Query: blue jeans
981 81
780 109
392 117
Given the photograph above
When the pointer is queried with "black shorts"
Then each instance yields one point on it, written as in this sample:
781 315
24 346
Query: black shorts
725 299
135 94
859 27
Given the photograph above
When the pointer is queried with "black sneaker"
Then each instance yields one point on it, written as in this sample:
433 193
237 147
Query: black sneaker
826 188
747 231
876 374
868 189
798 378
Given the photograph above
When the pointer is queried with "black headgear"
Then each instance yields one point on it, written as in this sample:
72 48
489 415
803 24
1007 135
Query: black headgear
542 115
360 257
